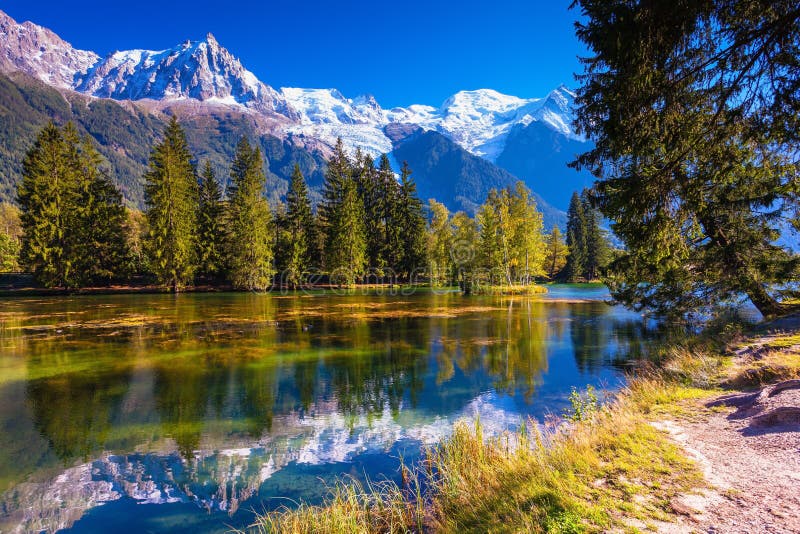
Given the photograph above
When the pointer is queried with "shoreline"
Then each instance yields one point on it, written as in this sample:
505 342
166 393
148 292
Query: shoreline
645 461
365 289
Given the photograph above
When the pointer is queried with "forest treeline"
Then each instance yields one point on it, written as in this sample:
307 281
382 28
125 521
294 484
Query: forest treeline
72 230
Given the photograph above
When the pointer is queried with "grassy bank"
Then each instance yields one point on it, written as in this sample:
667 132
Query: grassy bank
605 468
514 289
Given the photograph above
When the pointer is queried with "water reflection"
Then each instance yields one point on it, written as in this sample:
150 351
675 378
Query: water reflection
221 400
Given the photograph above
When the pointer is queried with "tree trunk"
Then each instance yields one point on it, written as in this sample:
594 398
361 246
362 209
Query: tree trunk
761 299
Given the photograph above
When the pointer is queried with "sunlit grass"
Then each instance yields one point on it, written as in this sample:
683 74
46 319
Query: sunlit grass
609 471
514 289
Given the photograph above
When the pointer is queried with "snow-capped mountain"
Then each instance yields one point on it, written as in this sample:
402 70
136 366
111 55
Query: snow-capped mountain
200 70
478 120
532 138
203 70
41 53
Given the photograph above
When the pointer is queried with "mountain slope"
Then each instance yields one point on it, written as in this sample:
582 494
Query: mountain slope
445 171
122 101
125 133
539 155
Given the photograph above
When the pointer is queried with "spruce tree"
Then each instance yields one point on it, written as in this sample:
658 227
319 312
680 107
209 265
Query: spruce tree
210 226
389 194
597 249
250 236
337 173
347 244
342 217
297 244
576 239
46 195
411 226
102 252
72 214
372 196
171 197
693 112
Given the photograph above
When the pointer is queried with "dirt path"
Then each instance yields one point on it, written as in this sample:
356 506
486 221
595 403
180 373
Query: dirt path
748 446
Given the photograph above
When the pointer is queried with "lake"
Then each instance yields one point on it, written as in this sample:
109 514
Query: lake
133 413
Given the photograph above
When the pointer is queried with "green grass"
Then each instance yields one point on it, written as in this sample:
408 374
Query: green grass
607 469
532 289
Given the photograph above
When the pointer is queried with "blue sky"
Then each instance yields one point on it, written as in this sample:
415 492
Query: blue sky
404 52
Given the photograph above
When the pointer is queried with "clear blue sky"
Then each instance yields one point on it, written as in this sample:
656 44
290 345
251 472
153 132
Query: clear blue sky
403 52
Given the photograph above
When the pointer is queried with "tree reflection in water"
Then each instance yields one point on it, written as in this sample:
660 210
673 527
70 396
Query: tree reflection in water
209 395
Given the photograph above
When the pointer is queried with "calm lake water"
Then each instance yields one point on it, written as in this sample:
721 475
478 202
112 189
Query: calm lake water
185 413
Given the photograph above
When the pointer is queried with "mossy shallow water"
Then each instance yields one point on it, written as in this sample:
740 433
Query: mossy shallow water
130 398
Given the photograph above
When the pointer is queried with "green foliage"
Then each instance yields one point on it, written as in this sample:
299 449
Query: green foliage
583 406
171 194
576 239
379 193
389 191
463 252
347 248
440 242
511 241
298 232
589 252
101 245
693 110
10 237
411 227
72 214
250 238
342 214
555 253
210 227
136 232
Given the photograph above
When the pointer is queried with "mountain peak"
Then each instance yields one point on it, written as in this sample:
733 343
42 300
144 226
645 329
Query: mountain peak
210 39
41 53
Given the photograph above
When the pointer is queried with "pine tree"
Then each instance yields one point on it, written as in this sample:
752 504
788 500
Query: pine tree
250 237
346 241
210 226
171 197
297 243
389 193
576 239
102 252
556 253
72 213
597 249
46 195
411 223
371 194
693 112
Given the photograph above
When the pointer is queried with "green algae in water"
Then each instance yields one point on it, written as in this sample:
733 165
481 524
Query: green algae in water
209 405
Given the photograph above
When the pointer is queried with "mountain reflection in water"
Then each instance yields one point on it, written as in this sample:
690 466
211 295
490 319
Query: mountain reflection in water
225 403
